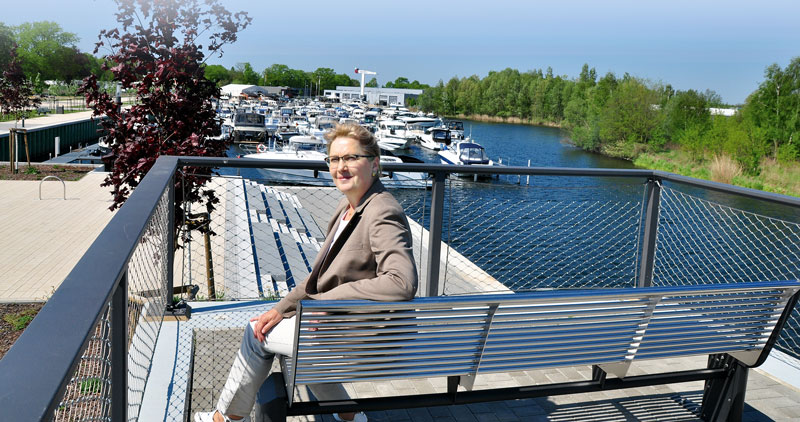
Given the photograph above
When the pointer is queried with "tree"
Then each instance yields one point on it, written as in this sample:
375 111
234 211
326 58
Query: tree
246 75
16 94
218 74
16 91
373 83
156 52
775 106
6 44
630 115
45 48
684 111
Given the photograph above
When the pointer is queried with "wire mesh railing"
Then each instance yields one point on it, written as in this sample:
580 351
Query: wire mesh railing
568 229
704 242
265 237
534 237
88 394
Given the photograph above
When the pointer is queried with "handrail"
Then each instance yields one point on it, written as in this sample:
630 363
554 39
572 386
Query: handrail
35 372
64 185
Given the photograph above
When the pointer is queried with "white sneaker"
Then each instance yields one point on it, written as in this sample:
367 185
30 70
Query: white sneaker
360 417
209 417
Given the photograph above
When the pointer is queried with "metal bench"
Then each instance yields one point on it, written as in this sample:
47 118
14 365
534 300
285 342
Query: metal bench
462 337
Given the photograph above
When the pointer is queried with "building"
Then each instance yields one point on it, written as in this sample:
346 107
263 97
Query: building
383 96
250 91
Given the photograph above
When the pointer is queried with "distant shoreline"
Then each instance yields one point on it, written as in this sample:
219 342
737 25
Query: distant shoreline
498 119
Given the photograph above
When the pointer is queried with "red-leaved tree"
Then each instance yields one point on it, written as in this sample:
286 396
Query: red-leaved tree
16 91
156 52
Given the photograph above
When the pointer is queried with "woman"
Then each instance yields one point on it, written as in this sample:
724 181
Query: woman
366 255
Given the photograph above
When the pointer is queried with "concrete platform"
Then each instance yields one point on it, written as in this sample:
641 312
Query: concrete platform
43 239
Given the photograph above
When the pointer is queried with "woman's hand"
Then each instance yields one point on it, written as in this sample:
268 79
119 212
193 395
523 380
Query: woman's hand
265 322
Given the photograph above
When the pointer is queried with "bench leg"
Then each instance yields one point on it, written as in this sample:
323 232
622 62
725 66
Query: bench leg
723 398
271 400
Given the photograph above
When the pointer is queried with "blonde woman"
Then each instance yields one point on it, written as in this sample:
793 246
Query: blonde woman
366 255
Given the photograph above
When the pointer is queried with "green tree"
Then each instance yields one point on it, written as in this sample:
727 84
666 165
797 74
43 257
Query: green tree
276 75
44 47
325 77
373 83
774 107
686 111
218 74
630 115
6 44
244 74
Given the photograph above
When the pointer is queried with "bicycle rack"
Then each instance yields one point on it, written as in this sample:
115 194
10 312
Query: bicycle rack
64 185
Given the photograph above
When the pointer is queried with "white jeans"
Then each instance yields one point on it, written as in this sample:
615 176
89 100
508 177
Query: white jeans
252 365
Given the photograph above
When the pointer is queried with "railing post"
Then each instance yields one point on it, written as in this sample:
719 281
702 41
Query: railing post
171 238
647 257
119 351
431 283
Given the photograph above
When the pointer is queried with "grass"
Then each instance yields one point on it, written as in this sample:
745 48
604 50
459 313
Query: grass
724 169
20 320
774 176
91 385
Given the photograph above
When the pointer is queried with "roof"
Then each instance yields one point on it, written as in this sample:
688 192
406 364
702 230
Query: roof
234 90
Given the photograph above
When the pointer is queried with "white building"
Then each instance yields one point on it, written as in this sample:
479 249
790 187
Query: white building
384 96
241 90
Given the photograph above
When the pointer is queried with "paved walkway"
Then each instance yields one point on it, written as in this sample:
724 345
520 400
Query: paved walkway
50 119
41 240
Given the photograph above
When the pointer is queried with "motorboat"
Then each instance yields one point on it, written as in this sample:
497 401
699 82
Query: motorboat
392 135
456 129
416 125
249 127
435 138
465 153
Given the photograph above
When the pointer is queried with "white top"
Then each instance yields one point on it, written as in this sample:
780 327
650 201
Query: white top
339 230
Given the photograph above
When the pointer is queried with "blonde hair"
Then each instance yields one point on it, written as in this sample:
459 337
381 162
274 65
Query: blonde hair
365 139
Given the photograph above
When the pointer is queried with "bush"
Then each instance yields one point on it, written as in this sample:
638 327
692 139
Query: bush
786 153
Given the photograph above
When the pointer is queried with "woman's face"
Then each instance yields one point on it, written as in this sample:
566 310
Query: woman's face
352 178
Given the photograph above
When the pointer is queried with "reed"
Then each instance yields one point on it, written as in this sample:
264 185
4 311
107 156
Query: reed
724 168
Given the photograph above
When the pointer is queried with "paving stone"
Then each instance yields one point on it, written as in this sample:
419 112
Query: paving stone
419 415
462 414
398 415
440 412
486 417
423 386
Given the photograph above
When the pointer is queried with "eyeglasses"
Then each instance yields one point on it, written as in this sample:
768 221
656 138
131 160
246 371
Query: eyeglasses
348 159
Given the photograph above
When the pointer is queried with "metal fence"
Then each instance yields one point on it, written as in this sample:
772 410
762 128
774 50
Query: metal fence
569 228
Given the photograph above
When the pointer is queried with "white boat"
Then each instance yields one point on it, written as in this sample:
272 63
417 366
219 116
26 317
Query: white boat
314 149
466 153
417 125
456 129
392 135
435 138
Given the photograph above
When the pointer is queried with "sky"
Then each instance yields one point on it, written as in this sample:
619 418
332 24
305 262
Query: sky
723 46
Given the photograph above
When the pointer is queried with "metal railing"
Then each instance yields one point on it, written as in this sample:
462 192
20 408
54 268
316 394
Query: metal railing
87 354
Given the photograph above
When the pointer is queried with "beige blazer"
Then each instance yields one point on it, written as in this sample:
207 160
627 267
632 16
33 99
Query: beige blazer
371 259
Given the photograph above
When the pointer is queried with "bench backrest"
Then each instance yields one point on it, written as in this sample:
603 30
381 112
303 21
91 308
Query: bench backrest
468 335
